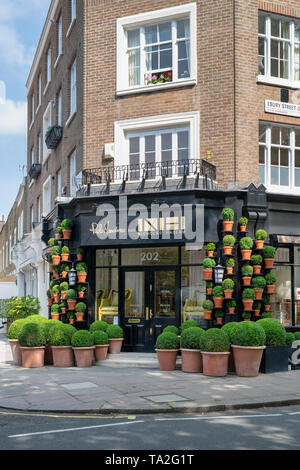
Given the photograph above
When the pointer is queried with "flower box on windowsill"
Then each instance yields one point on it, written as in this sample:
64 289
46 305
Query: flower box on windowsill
53 136
156 78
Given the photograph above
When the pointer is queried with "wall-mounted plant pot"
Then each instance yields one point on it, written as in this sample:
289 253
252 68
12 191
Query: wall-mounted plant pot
246 281
267 308
65 256
246 254
258 294
270 288
207 274
257 269
71 304
228 293
81 294
219 320
82 277
229 270
231 310
247 304
54 316
63 294
79 316
256 313
207 314
67 234
228 250
50 302
228 225
269 262
275 359
53 137
259 244
56 260
64 274
71 321
56 299
243 228
209 291
79 257
218 301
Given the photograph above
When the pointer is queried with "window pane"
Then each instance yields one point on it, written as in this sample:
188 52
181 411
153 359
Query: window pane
274 48
281 306
297 177
274 68
261 154
262 24
134 145
166 141
134 67
183 139
275 135
297 158
285 136
297 32
262 132
150 154
184 59
151 34
165 56
261 174
261 56
297 137
284 176
274 175
133 38
285 29
183 29
284 157
152 58
284 50
165 32
275 27
274 156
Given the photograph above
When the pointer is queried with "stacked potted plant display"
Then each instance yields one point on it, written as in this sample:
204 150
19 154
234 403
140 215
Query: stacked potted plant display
257 307
32 340
219 315
56 255
230 264
267 302
218 296
259 284
79 254
210 248
228 243
71 296
55 311
247 273
248 297
246 245
270 280
167 347
231 305
115 336
256 261
260 237
209 287
208 265
64 270
190 350
243 222
81 289
83 346
247 342
228 287
215 350
269 256
67 226
228 219
208 306
59 233
65 254
81 269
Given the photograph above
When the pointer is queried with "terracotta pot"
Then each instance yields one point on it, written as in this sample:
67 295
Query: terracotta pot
84 356
257 269
56 298
231 367
33 357
269 262
63 356
65 256
229 270
71 304
258 294
81 277
167 358
67 234
228 250
246 319
59 236
79 316
209 291
16 352
101 352
191 360
247 304
48 354
228 294
218 301
54 316
271 288
246 254
64 274
56 260
50 302
71 321
243 228
81 294
207 274
115 345
267 308
207 314
51 292
63 294
246 281
231 310
259 244
247 360
256 313
228 225
219 320
55 275
215 364
63 310
80 257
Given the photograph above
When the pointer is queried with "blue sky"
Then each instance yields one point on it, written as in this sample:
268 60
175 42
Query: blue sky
21 23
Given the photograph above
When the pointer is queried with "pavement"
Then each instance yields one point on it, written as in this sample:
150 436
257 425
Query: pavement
109 390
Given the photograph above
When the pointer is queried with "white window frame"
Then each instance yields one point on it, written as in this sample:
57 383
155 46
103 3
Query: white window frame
72 169
59 186
32 108
20 226
189 120
47 122
40 148
267 78
39 93
47 196
48 67
38 209
73 89
137 21
59 108
291 189
73 8
59 36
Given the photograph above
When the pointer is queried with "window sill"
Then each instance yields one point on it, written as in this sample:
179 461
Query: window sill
37 109
281 82
150 88
31 184
71 27
57 60
31 125
48 154
70 118
46 88
283 190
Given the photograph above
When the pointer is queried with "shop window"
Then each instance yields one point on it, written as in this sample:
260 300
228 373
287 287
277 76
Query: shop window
107 257
107 295
149 256
192 256
193 293
281 300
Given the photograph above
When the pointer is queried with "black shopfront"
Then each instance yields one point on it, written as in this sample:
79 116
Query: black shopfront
144 281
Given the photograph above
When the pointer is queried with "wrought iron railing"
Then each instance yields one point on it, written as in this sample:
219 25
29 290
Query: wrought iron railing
147 171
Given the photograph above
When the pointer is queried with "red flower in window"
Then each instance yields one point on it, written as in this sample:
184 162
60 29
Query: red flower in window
169 74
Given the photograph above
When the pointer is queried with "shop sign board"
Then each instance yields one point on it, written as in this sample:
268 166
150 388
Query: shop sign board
286 109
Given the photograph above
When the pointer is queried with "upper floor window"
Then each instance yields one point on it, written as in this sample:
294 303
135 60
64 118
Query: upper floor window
39 90
157 49
278 49
48 66
72 173
279 157
32 108
39 148
59 108
73 89
59 35
73 10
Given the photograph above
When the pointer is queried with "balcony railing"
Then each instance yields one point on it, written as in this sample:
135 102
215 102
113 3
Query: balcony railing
150 171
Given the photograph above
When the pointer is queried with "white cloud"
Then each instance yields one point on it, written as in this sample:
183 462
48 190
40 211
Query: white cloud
13 118
12 51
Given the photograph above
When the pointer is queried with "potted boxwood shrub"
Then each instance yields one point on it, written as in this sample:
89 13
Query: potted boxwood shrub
231 304
246 244
81 290
98 325
267 302
55 310
189 324
258 283
32 342
60 340
268 256
67 226
228 219
115 337
64 270
64 286
51 243
218 296
228 286
247 272
167 346
230 263
56 271
65 253
190 350
210 248
80 309
59 233
257 308
248 296
101 344
270 280
243 222
56 293
56 252
79 253
81 269
208 265
71 318
246 316
247 342
256 261
219 314
63 308
276 356
229 328
71 297
228 243
260 237
209 287
13 334
83 346
172 329
208 306
215 350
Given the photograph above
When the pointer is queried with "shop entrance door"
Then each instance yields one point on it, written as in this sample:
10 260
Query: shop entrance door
151 302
